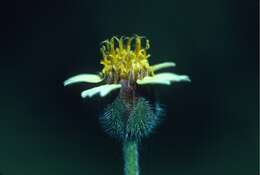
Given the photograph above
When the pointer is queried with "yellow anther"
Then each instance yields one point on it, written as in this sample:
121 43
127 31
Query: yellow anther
138 45
129 40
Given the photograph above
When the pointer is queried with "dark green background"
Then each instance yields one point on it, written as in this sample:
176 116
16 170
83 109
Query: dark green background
211 125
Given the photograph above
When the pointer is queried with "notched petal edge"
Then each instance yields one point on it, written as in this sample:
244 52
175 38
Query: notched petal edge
102 90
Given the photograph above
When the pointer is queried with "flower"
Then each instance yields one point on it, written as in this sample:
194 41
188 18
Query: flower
126 63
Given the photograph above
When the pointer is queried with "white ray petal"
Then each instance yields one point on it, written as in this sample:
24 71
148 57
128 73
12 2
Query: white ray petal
103 90
163 78
88 78
163 65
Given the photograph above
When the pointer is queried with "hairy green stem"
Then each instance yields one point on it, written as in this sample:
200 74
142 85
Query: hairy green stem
130 151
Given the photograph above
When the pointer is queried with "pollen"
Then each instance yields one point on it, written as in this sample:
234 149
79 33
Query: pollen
125 58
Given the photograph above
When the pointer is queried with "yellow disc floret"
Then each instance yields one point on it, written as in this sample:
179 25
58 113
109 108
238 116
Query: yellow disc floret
124 58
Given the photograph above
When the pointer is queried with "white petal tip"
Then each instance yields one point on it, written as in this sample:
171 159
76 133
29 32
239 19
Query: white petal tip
188 79
66 83
84 95
184 78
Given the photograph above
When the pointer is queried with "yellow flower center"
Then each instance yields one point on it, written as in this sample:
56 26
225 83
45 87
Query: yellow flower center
125 58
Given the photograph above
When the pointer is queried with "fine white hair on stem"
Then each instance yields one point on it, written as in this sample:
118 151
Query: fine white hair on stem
103 90
163 78
163 65
87 78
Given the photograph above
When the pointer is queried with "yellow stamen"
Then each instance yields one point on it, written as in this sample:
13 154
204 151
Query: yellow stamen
121 61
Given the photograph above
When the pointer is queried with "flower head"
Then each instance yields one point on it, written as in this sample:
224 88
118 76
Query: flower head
126 65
